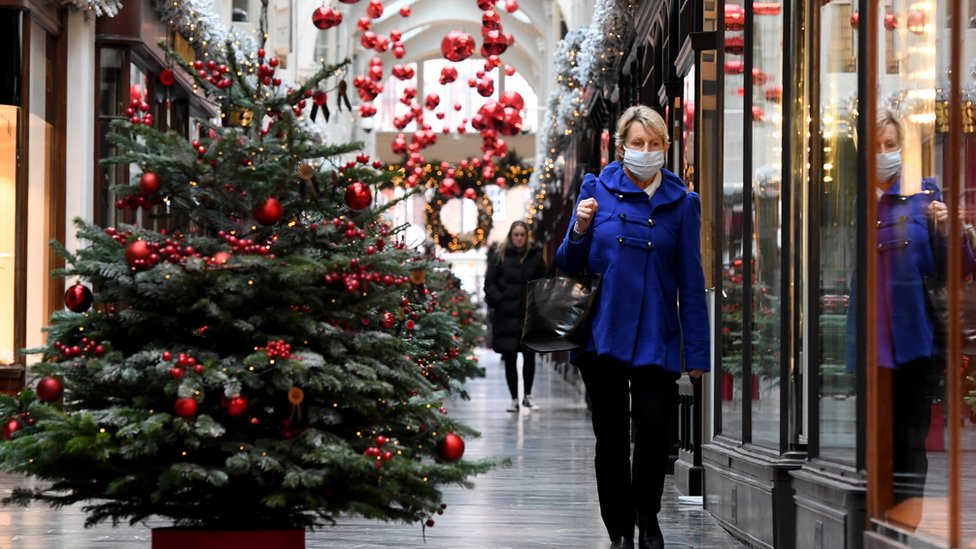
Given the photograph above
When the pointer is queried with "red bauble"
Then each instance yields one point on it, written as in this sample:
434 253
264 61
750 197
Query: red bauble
349 1
405 11
234 406
486 87
512 99
149 183
9 428
166 77
490 20
185 407
916 22
326 18
432 101
486 5
495 42
470 193
49 389
890 22
358 196
457 46
137 250
78 298
448 75
509 70
269 212
374 10
855 18
449 187
511 122
451 447
511 6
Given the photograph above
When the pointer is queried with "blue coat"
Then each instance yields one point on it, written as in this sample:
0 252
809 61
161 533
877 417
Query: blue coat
649 253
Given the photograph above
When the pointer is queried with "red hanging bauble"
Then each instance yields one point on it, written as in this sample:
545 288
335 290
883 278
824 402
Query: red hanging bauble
512 99
326 18
449 187
855 17
137 251
374 9
358 196
451 447
470 193
495 42
486 5
890 22
457 46
149 183
49 389
486 87
10 427
448 75
185 407
491 20
78 298
166 77
234 406
511 6
405 11
511 122
349 1
916 22
269 212
432 101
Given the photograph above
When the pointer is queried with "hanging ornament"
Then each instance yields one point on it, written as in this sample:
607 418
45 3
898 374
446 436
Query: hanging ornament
855 17
358 196
432 101
449 187
49 389
325 18
735 45
448 75
10 427
149 183
374 10
457 46
734 17
405 11
486 87
269 212
774 93
916 22
511 6
137 254
491 20
511 122
512 99
486 5
185 407
166 77
349 1
234 406
470 193
890 22
495 42
451 447
78 298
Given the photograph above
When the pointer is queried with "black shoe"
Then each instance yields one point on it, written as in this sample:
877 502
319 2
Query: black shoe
622 543
651 543
650 536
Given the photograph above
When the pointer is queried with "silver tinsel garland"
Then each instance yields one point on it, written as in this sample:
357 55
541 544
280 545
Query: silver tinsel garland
96 7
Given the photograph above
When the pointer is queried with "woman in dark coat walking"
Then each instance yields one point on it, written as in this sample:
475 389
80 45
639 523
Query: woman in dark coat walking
509 268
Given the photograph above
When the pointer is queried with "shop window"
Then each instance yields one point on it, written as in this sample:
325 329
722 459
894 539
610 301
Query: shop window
8 214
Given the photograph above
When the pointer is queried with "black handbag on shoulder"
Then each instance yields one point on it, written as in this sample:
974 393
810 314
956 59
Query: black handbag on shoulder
557 311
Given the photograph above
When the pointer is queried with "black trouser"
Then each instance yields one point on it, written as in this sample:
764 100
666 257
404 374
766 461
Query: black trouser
630 492
511 371
914 386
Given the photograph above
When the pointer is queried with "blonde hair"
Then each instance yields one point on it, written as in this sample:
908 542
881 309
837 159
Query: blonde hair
887 116
648 117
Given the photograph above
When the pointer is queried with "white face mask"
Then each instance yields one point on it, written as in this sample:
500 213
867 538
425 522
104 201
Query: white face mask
887 165
643 165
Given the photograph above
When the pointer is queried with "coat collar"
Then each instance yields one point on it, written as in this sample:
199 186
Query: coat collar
616 181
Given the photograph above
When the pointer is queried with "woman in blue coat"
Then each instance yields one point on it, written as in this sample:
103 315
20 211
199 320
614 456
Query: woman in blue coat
638 226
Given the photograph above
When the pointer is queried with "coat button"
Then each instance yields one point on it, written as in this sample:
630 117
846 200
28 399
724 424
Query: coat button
620 239
650 222
650 245
623 217
620 195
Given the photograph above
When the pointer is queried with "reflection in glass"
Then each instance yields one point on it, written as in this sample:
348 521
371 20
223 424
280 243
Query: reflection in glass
732 272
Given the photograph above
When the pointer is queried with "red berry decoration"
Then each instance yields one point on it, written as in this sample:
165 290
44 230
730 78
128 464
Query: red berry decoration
234 406
358 196
49 389
451 447
9 428
269 212
149 183
185 407
78 298
137 254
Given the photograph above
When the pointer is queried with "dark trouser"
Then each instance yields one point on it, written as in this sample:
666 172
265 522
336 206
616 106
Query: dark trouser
630 492
511 371
914 386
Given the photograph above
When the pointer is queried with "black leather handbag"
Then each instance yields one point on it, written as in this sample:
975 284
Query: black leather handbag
557 311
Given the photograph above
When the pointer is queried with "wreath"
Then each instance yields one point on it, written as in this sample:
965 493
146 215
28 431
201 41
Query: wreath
461 242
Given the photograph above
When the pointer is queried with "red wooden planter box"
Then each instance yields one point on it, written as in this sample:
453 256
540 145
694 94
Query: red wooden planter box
183 538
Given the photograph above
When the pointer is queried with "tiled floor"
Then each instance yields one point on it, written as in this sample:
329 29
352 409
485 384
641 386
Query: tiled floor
547 498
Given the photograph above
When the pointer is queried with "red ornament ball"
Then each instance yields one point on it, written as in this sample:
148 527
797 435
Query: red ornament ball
326 18
269 212
451 447
234 406
890 22
78 298
495 42
9 428
49 389
166 77
511 6
137 250
512 99
855 18
149 183
457 46
374 10
185 407
358 196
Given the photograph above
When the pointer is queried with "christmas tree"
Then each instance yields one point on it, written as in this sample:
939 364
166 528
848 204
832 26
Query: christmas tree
270 357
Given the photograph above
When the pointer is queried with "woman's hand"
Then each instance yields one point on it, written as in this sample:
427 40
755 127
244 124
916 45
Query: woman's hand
585 211
939 213
695 374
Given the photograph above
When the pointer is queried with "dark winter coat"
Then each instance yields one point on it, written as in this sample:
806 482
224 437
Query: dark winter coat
505 294
649 253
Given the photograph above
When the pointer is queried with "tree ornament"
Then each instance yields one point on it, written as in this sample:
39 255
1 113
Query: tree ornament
358 196
457 46
234 406
451 447
149 183
325 18
137 254
10 427
78 298
374 9
185 407
49 389
511 6
269 212
495 42
166 77
512 99
511 122
448 75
